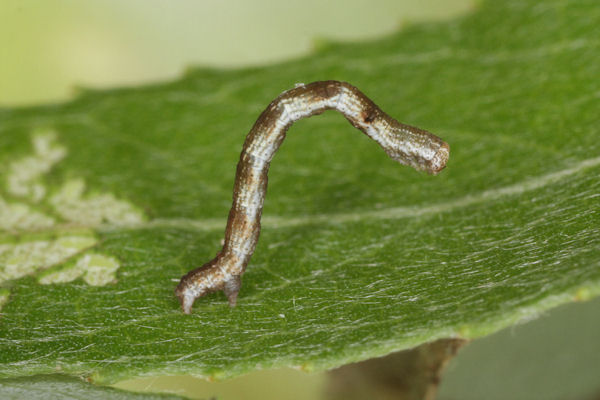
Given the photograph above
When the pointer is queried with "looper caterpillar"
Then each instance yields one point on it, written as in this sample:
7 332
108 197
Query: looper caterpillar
403 143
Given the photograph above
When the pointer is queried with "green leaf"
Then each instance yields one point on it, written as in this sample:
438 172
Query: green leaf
109 199
58 387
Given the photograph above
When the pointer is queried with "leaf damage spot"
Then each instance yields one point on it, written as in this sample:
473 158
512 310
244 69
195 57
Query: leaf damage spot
61 256
99 269
24 174
96 270
20 259
15 216
94 209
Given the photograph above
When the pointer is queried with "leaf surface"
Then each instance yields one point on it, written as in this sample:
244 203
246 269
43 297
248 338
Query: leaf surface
108 200
58 387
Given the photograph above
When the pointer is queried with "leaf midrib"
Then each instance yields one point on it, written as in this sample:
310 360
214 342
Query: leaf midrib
278 222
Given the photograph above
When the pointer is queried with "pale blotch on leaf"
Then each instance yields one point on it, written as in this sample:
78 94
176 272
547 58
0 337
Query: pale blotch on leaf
24 258
61 257
18 216
24 173
96 270
60 274
93 209
99 269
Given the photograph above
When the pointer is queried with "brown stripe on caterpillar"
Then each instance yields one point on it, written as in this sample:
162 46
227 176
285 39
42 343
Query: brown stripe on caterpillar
404 143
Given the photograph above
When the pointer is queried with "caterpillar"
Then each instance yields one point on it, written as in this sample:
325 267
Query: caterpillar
406 144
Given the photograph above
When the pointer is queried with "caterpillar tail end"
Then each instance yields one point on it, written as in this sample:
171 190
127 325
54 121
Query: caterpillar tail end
188 294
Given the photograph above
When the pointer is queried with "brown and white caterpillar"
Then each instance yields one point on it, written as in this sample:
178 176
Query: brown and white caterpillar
405 144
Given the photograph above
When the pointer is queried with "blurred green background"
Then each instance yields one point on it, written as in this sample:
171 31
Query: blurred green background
49 48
